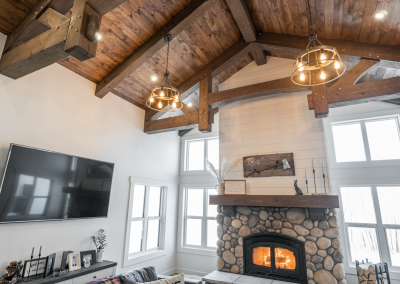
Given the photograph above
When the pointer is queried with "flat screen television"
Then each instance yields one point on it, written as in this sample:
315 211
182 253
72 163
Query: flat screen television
40 185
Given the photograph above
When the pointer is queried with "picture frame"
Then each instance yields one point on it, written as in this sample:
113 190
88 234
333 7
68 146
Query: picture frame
34 268
235 187
51 259
89 255
64 260
74 261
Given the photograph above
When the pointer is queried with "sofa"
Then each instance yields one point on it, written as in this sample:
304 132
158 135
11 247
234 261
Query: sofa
142 275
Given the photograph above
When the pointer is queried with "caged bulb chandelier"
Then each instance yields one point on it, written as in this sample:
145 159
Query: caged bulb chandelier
318 64
164 97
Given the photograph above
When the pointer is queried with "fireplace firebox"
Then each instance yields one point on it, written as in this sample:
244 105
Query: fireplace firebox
275 256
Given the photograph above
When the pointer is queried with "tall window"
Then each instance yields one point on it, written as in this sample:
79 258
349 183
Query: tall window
367 140
372 223
197 150
200 226
146 219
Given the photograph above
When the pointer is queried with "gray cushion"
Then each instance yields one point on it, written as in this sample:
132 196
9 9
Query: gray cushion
146 274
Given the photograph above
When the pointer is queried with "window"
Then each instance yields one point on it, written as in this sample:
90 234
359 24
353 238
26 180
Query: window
146 220
200 226
367 140
371 222
197 150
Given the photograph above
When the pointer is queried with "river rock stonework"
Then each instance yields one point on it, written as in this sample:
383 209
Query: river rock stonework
321 238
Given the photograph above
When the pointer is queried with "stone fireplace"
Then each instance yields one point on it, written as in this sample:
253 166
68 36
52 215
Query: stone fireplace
285 244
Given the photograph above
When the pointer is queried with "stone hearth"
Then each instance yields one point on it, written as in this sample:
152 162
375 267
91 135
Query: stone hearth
324 258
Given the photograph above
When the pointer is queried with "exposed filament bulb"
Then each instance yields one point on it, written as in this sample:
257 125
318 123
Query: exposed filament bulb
301 67
162 94
323 57
337 64
323 75
302 76
151 99
159 105
174 104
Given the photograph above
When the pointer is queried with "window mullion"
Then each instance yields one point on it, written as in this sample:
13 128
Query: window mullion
204 220
145 215
382 237
186 193
365 139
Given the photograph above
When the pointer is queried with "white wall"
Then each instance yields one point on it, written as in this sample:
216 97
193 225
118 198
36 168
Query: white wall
56 109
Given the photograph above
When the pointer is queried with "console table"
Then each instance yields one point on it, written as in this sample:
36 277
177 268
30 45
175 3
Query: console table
95 272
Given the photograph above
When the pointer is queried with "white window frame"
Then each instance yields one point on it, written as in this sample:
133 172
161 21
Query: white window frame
379 227
362 118
191 249
184 156
144 255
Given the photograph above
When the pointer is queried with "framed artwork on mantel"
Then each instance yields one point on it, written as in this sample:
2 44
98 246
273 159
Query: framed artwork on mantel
235 187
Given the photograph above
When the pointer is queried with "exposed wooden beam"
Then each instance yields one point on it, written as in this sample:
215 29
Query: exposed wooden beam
213 68
289 46
279 86
355 73
174 27
204 107
190 120
320 101
245 23
386 89
43 50
105 6
19 29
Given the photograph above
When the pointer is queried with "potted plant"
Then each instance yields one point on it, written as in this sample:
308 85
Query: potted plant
100 243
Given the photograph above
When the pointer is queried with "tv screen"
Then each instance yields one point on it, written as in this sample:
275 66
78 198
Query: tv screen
40 185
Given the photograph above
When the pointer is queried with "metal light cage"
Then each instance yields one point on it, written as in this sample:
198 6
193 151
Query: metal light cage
311 63
164 96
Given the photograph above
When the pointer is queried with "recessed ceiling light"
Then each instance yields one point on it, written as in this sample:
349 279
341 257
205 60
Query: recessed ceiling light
190 104
99 36
153 78
379 15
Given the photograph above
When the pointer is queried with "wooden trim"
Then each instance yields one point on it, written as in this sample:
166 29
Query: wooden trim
279 86
174 27
299 201
320 101
355 73
204 107
19 29
172 123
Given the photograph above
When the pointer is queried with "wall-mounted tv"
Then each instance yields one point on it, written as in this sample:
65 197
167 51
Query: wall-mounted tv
40 185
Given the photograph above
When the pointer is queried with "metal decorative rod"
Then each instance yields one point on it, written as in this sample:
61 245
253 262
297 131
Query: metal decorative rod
313 170
323 175
305 170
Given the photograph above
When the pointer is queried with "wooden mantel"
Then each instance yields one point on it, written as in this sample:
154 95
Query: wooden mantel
303 201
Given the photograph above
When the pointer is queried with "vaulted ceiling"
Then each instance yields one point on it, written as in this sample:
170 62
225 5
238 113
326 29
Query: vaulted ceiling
134 22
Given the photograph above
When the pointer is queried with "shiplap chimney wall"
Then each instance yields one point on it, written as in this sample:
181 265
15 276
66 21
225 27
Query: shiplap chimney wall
275 124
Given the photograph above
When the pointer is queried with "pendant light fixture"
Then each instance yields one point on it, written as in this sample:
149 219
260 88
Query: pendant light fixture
164 97
318 64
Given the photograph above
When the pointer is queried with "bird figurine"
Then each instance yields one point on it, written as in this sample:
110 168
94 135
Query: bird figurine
298 190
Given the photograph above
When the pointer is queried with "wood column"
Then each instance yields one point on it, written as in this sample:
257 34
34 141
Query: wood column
320 101
204 107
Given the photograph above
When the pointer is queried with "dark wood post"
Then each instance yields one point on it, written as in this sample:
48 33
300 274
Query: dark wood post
204 107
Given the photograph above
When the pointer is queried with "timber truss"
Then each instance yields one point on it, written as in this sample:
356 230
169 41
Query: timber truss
46 36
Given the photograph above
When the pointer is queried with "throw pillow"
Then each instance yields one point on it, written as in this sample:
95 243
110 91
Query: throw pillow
177 279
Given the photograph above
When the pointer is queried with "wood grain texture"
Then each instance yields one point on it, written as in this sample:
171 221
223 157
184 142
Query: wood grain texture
297 201
171 124
279 86
153 45
320 101
256 165
204 107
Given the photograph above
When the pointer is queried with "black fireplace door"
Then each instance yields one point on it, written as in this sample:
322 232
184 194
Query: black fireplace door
275 256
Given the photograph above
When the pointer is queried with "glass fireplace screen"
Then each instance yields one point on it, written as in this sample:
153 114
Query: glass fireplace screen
284 258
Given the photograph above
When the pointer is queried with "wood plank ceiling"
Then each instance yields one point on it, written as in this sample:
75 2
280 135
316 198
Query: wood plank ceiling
131 24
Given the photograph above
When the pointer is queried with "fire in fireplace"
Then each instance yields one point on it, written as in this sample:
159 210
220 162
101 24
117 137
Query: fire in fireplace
275 256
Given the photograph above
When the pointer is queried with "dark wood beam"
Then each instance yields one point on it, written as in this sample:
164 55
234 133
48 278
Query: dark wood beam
280 86
43 50
289 46
105 6
19 29
320 101
174 27
237 51
355 73
245 23
204 107
190 120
